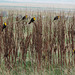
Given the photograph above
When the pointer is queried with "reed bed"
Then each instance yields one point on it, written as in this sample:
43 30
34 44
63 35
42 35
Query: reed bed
40 46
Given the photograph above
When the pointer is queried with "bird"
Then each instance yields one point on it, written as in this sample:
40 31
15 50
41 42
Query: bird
24 17
4 26
74 51
32 20
56 18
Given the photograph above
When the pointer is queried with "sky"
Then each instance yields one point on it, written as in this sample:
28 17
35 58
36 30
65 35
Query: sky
40 1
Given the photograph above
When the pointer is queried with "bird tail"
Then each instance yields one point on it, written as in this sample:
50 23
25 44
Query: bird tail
29 22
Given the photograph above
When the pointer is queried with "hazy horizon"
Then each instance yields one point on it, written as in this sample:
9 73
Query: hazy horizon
38 1
48 5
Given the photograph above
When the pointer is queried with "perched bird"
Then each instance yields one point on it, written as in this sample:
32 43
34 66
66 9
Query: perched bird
74 51
25 17
4 26
56 18
32 20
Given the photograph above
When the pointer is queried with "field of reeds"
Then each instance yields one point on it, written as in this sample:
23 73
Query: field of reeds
44 47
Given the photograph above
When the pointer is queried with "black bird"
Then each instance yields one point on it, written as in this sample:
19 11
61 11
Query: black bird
32 20
74 51
4 26
25 17
56 18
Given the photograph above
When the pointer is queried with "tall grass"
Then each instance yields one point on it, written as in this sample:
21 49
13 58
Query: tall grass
41 44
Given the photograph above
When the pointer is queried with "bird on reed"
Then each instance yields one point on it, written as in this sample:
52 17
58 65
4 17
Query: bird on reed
56 17
32 20
4 26
24 17
74 51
